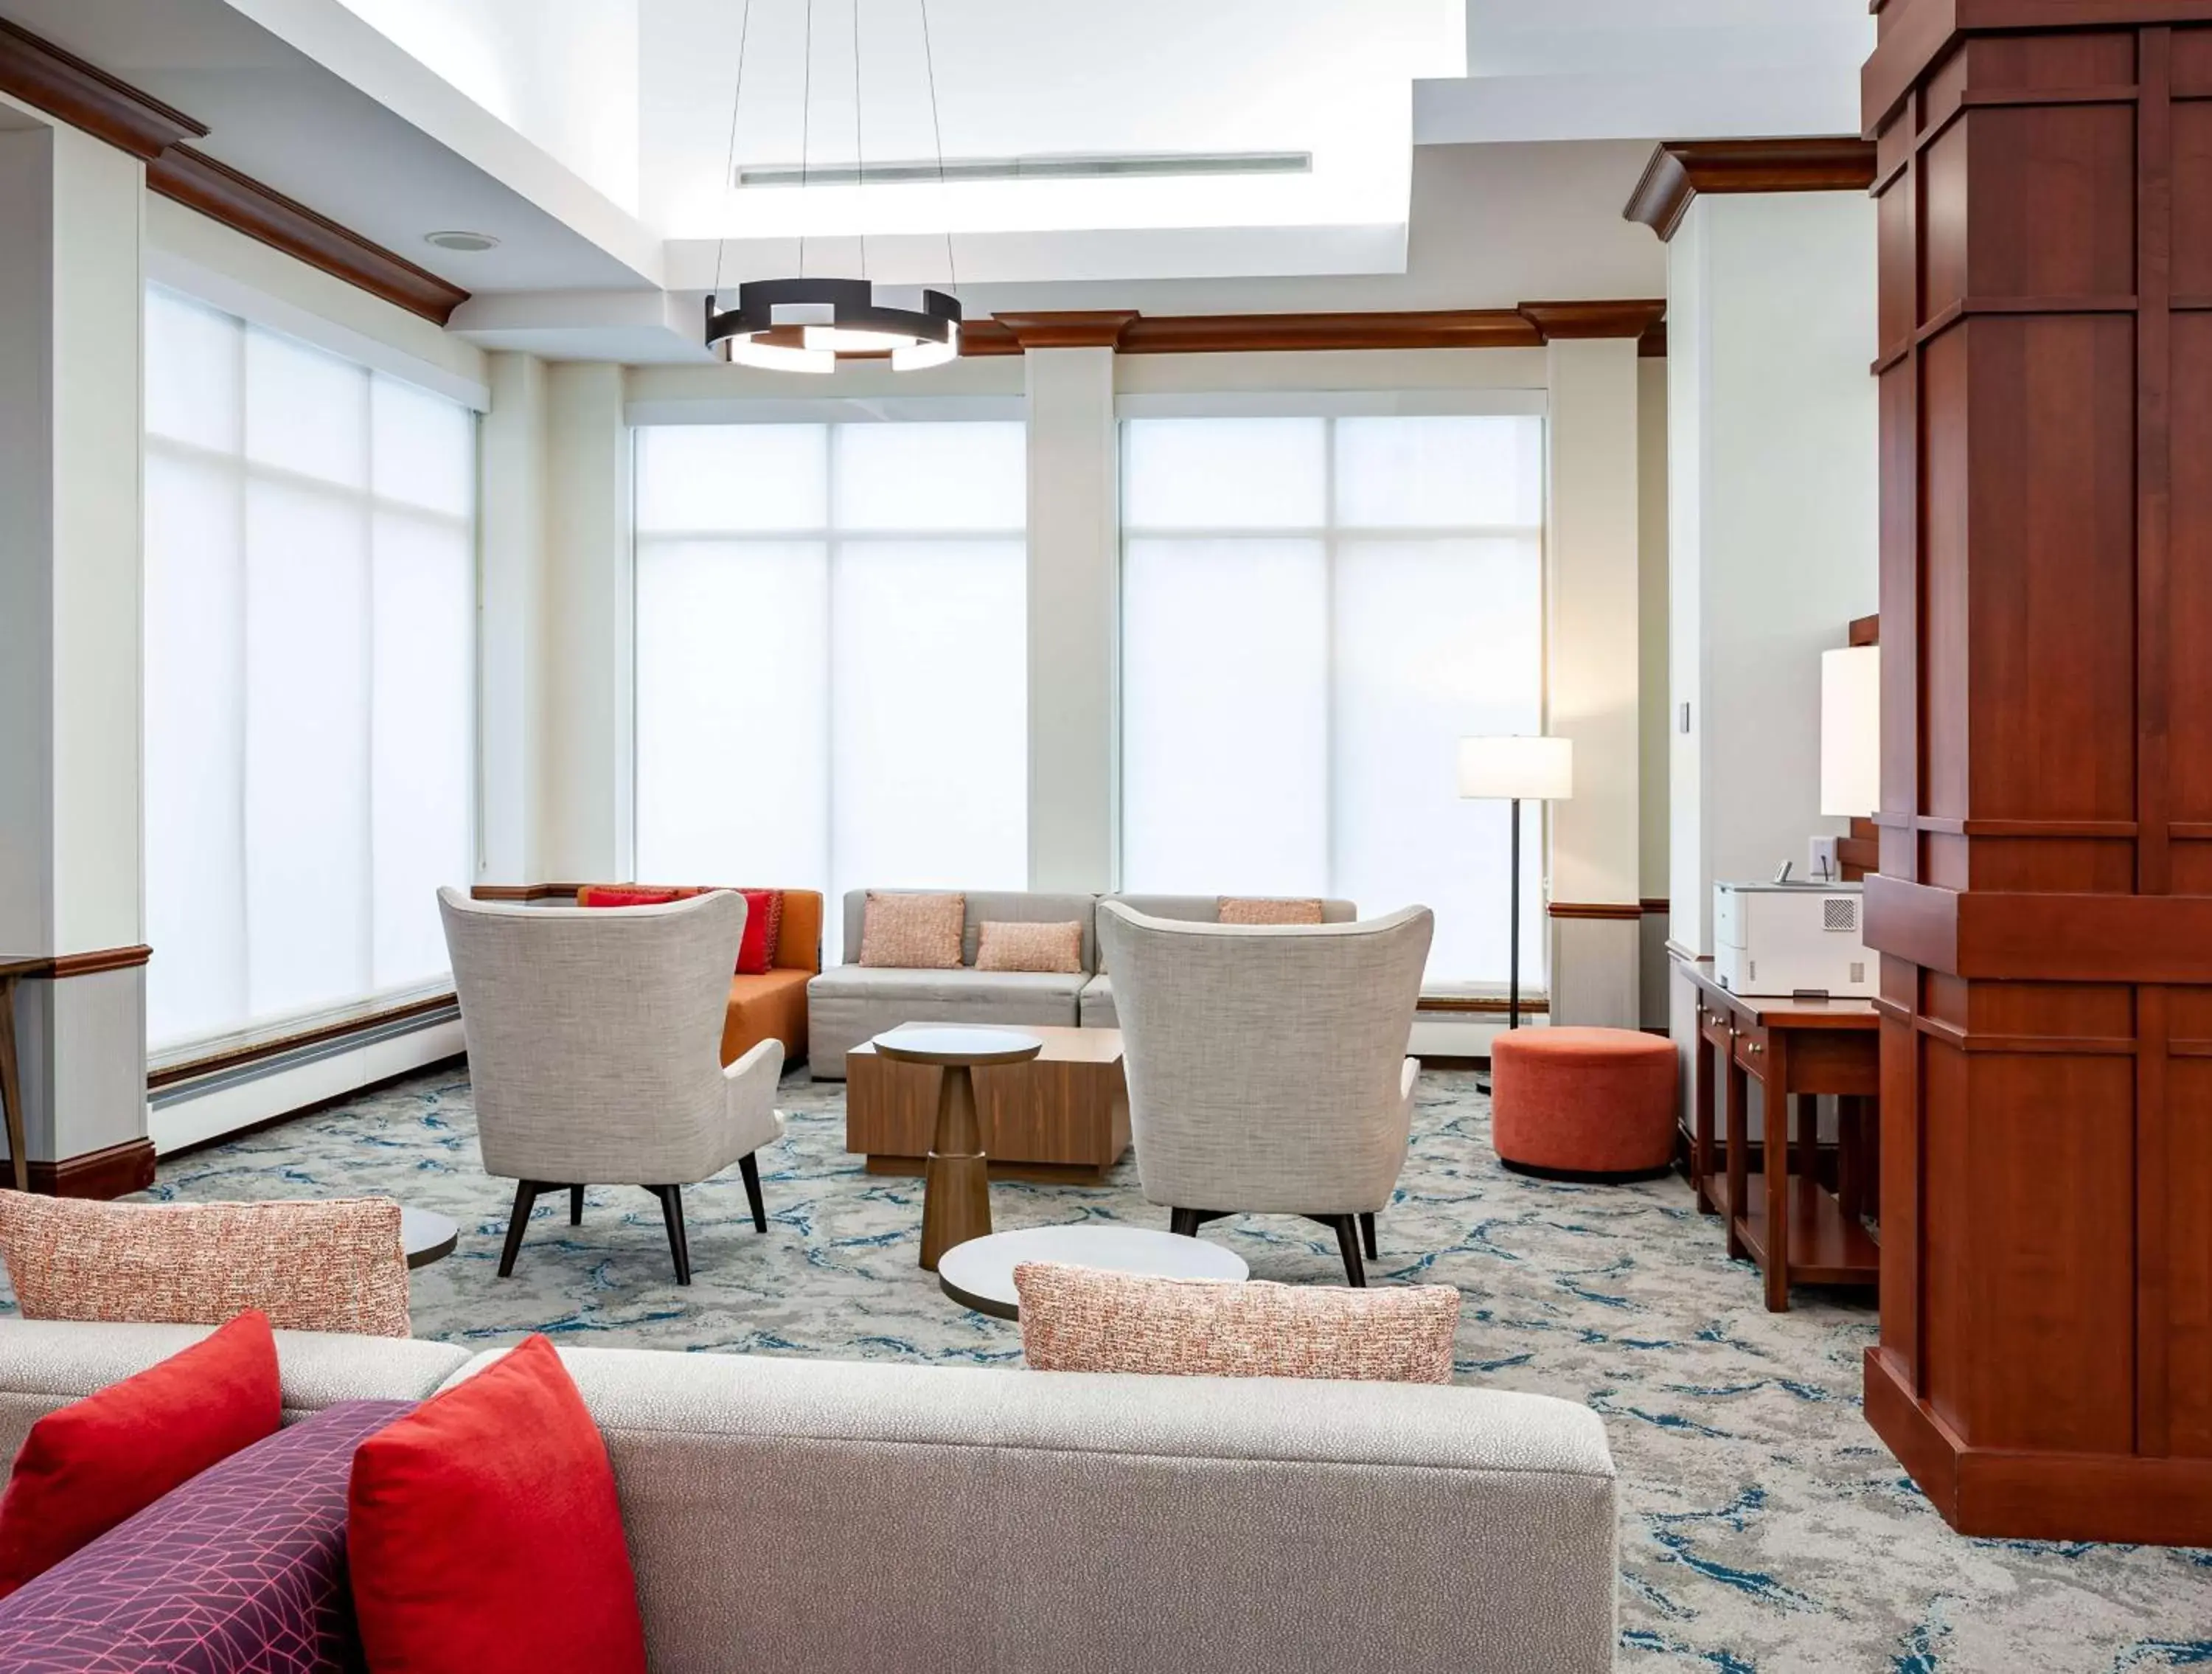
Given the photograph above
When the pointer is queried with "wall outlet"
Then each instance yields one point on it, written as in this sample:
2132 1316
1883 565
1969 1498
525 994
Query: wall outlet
1821 864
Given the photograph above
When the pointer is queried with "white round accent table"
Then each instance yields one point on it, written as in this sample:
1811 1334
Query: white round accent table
425 1236
980 1274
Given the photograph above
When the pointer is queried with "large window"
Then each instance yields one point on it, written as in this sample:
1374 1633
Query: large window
310 676
832 671
1314 612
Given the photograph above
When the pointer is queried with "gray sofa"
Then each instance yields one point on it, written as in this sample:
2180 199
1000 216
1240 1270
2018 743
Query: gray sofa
822 1516
851 1003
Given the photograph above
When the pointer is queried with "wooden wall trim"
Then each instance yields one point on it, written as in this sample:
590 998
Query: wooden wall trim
39 73
116 1171
1865 630
51 967
243 204
1680 169
523 892
87 97
1527 326
238 1058
1630 910
1478 1004
1656 905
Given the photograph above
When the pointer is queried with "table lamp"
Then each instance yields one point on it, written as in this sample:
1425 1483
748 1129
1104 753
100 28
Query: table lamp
1514 769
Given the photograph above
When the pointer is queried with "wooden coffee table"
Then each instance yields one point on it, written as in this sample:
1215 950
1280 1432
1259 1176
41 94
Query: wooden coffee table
1062 1118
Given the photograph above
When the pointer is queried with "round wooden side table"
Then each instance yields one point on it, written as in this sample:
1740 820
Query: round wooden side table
956 1190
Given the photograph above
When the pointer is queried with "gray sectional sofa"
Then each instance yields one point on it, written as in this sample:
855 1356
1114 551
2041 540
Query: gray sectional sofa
850 1003
822 1516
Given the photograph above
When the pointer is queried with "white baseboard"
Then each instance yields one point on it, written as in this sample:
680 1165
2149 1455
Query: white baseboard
191 1117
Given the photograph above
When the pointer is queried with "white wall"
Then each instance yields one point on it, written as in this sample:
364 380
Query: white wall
513 495
585 677
1656 721
70 324
1773 499
1594 691
1074 618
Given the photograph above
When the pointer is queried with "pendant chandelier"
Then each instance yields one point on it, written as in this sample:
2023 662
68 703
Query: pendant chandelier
808 324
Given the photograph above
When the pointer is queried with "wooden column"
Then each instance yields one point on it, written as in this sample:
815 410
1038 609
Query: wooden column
2044 902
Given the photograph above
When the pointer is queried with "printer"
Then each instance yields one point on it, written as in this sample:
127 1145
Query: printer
1784 938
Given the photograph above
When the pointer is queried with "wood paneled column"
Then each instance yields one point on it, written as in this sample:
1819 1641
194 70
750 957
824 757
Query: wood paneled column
2043 906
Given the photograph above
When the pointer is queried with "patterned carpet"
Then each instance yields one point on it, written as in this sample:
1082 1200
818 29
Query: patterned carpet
1763 1527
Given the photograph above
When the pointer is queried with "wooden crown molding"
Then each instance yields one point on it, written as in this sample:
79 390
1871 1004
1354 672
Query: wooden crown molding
1530 326
39 73
1680 169
242 203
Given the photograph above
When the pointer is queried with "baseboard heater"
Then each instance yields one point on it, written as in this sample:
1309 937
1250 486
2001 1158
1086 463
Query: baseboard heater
283 1059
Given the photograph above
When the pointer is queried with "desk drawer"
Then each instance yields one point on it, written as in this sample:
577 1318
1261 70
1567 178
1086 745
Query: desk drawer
1751 1050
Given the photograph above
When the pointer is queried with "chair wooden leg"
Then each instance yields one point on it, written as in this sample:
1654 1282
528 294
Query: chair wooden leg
749 1166
1347 1240
575 1205
526 1194
1367 1234
671 1211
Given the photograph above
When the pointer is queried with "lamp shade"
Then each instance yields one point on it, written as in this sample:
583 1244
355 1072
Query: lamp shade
1536 769
1851 731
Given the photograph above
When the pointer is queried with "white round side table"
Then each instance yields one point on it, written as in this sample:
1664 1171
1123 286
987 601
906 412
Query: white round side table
980 1274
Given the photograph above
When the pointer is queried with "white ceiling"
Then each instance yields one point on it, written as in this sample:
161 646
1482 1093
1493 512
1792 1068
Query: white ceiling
1649 68
592 139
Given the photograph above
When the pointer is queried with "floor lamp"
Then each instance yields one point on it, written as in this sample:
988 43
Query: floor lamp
1516 769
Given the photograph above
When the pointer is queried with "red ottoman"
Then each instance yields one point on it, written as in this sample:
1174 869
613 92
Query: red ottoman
1583 1102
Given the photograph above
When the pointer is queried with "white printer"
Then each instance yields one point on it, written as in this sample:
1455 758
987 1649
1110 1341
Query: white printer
1782 937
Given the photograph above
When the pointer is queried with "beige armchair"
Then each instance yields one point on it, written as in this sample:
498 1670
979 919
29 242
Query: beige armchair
594 1039
1267 1064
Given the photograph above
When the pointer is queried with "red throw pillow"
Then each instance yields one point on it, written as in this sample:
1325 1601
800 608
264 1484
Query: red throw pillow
763 925
627 895
88 1466
482 1532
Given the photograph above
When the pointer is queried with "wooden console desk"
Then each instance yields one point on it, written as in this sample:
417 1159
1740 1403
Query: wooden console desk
1781 1215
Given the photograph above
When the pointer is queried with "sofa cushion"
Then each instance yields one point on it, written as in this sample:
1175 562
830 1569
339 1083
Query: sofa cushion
243 1567
902 931
1007 906
1004 946
485 1534
763 926
330 1265
87 1466
1086 1319
1269 909
1095 1008
769 1007
630 895
857 981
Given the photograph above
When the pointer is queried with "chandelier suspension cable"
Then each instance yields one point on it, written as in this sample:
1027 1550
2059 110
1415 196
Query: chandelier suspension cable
805 134
833 318
730 162
860 151
936 132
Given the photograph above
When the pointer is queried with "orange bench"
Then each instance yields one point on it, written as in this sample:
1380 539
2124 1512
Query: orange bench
771 1006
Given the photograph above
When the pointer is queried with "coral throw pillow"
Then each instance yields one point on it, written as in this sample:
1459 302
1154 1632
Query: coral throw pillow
1250 909
1085 1319
912 932
1029 947
484 1535
87 1466
335 1265
763 925
243 1567
629 895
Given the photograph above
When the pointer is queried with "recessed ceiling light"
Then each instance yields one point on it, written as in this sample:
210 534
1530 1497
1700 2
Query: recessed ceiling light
470 242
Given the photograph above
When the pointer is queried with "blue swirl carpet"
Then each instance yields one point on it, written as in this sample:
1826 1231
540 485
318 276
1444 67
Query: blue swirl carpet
1763 1526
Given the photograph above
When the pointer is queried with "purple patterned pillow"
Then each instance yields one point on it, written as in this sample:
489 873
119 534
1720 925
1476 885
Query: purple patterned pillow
241 1571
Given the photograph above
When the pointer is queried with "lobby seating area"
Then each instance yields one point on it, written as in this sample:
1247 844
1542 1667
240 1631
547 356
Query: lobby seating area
1281 837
